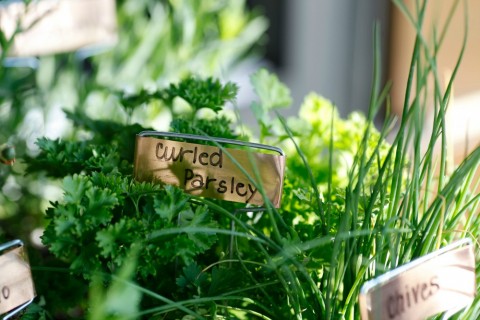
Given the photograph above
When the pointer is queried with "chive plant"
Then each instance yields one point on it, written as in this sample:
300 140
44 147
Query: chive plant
409 207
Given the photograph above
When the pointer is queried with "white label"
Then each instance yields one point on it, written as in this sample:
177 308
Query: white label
52 26
441 281
16 284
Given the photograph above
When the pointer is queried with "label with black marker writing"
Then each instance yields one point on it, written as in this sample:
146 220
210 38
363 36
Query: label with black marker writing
209 171
440 281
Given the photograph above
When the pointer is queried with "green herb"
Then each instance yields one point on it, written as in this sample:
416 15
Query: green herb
354 206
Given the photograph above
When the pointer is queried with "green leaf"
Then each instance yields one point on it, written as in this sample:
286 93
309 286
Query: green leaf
59 158
169 207
116 238
100 206
200 218
192 277
34 312
203 93
216 127
272 93
121 300
74 188
117 183
224 280
66 220
3 41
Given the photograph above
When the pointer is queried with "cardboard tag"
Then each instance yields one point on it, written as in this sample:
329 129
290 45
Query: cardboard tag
16 284
443 280
53 26
209 171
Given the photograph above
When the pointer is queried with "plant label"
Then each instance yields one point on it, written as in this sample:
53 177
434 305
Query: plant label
52 26
16 284
440 281
211 171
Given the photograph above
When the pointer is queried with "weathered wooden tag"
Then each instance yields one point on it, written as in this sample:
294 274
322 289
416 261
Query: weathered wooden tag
440 281
210 171
52 26
16 284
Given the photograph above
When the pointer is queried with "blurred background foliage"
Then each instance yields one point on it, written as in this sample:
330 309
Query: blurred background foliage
159 42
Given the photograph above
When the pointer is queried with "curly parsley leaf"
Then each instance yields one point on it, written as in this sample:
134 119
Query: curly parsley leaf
197 92
96 218
59 158
217 127
202 93
107 132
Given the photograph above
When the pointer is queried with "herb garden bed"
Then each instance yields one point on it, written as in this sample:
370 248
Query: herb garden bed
354 206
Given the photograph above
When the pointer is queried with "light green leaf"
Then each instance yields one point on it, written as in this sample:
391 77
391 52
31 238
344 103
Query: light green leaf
122 298
272 92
